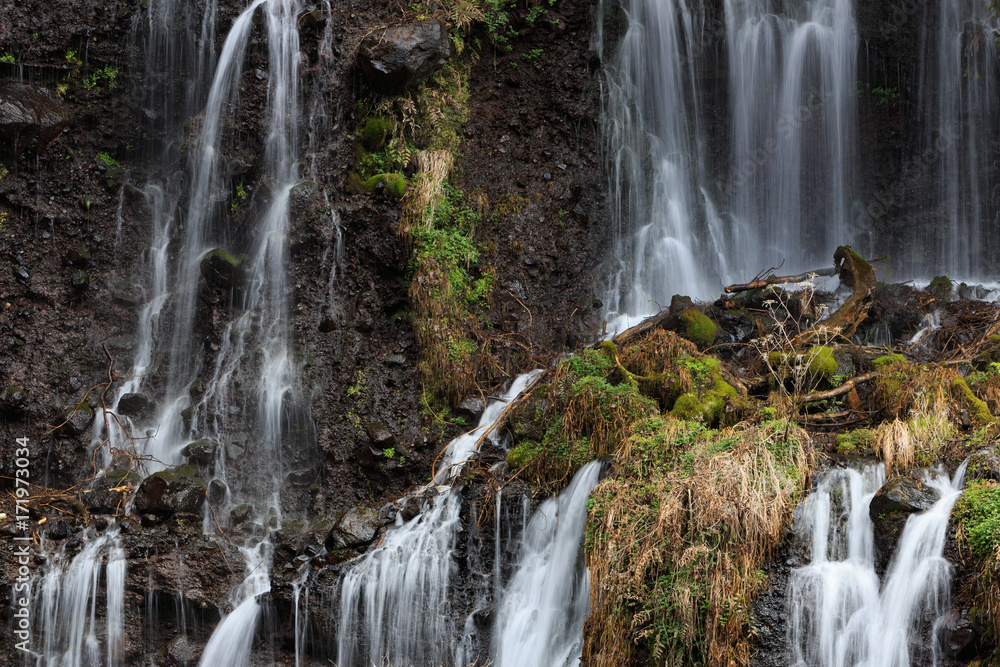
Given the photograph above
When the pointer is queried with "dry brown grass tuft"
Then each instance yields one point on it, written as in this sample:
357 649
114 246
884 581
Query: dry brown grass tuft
676 544
425 191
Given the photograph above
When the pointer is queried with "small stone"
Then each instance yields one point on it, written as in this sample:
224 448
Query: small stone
394 360
239 514
380 436
547 176
472 407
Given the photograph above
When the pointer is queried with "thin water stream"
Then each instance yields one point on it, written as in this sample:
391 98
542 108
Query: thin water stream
840 613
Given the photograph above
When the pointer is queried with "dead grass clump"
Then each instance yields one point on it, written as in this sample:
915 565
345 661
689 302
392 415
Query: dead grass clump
656 352
677 538
894 443
425 191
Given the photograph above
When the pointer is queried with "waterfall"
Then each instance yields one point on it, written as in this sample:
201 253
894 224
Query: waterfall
792 72
544 605
68 597
394 600
840 614
960 104
652 154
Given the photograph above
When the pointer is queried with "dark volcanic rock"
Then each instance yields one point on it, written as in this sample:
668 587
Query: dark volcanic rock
131 405
404 55
76 420
29 117
472 407
890 508
201 451
957 635
11 401
220 268
178 489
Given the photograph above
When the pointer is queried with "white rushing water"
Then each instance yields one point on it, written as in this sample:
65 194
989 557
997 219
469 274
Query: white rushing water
840 613
394 601
960 94
68 592
544 605
792 73
680 229
653 160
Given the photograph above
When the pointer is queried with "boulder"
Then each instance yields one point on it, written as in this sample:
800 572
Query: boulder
239 514
891 506
29 118
356 528
132 405
181 652
201 451
76 420
110 491
220 268
173 490
957 635
472 408
381 436
402 56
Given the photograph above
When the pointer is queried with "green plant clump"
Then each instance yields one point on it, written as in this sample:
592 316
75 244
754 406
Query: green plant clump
978 511
881 363
855 443
375 132
394 184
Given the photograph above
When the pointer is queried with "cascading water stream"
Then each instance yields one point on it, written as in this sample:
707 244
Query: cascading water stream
792 72
652 158
394 600
544 605
840 614
961 99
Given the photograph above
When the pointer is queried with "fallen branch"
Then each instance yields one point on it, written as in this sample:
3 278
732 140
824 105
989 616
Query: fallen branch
780 280
648 324
839 391
858 274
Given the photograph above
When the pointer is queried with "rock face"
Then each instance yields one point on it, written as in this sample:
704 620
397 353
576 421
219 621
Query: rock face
891 506
178 489
29 117
984 464
404 55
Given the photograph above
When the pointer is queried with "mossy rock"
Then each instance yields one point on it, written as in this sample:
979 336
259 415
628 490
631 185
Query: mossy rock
706 401
394 184
940 284
375 132
221 268
819 362
855 443
881 363
979 412
178 489
697 327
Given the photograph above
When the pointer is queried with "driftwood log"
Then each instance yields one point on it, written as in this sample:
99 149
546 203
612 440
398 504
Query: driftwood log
854 272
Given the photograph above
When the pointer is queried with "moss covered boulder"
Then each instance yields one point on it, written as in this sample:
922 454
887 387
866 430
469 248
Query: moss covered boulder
707 400
179 489
220 268
696 327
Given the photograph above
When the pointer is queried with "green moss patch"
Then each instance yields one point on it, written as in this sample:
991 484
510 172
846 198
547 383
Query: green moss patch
698 328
